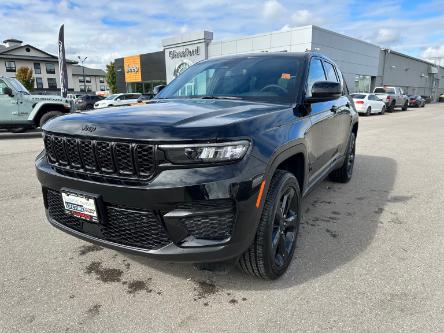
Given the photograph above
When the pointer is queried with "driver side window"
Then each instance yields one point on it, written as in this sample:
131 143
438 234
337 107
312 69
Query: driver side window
316 73
2 87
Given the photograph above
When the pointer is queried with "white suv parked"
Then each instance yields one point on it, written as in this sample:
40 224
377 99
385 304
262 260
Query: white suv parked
117 100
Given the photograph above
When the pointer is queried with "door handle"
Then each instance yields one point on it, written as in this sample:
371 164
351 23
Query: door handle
334 109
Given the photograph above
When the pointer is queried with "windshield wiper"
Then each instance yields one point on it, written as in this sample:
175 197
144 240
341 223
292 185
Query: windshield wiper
221 97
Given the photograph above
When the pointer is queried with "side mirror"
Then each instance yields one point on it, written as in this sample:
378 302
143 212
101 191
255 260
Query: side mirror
158 88
322 91
8 91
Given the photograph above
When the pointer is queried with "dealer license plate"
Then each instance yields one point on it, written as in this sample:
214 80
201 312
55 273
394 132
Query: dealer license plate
80 206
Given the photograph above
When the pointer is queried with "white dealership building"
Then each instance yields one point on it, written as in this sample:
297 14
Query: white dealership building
364 65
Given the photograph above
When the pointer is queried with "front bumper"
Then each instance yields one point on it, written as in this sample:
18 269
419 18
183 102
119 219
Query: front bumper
171 197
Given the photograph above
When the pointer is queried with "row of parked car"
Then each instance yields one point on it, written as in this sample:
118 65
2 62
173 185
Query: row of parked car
386 99
89 102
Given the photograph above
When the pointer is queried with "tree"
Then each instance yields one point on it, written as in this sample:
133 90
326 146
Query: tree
111 78
24 75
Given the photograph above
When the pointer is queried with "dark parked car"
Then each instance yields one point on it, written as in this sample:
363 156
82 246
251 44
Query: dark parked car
428 99
215 172
86 102
416 101
144 97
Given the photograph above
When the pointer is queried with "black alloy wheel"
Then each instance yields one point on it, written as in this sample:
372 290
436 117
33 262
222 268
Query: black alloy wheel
350 158
283 237
270 254
345 172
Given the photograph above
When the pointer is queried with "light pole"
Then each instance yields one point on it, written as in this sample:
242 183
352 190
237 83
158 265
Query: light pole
83 71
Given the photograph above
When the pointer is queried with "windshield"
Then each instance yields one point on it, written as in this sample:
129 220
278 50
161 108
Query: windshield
358 96
17 85
273 79
111 97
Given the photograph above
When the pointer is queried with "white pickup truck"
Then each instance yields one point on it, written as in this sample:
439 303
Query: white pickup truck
392 97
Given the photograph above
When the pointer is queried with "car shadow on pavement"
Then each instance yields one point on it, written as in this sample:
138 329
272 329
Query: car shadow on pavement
339 223
24 135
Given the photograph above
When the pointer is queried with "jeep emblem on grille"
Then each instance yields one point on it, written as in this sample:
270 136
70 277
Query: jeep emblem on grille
88 128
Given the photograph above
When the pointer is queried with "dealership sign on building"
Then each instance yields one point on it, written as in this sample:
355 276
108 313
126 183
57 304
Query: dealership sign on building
132 68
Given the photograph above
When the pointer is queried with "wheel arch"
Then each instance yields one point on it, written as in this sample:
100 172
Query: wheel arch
292 158
47 108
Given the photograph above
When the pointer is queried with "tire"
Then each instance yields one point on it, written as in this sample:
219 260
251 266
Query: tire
48 116
89 107
382 110
391 108
406 105
368 112
272 250
345 172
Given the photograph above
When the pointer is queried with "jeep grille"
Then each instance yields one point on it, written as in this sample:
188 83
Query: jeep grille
97 157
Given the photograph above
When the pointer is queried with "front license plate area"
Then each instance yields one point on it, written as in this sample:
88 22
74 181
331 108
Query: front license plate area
80 206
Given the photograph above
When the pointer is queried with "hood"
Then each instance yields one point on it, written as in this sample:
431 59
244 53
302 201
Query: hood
48 98
172 120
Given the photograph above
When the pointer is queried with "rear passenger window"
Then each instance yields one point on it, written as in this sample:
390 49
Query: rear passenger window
316 73
330 71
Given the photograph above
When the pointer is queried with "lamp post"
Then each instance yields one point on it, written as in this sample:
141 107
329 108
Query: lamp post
83 71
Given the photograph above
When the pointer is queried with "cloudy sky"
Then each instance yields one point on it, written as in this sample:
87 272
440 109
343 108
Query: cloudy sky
104 30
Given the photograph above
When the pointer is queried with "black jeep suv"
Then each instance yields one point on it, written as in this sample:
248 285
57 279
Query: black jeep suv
212 170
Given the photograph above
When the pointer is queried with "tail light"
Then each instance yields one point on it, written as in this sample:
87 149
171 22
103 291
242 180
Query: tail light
359 102
389 98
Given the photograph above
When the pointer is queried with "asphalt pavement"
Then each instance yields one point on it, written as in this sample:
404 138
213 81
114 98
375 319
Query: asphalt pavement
369 257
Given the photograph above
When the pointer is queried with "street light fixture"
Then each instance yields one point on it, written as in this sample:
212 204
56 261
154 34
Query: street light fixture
83 71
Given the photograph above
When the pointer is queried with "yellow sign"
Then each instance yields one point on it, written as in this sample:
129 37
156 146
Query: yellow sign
133 72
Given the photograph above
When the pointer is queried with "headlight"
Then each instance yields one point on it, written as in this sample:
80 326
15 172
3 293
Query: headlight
205 152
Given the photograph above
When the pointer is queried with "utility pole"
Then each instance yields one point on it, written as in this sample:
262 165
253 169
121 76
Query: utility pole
83 71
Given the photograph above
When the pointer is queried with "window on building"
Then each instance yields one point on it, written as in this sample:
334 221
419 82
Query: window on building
81 79
88 79
37 68
362 83
316 73
39 83
10 66
102 88
50 68
82 88
52 83
102 80
330 71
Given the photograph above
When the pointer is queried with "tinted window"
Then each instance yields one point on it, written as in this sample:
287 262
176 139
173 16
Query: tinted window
274 79
330 71
371 97
384 91
316 73
358 96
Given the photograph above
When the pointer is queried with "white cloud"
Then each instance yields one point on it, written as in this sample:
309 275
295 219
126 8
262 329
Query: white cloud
303 17
37 21
386 36
434 54
273 9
